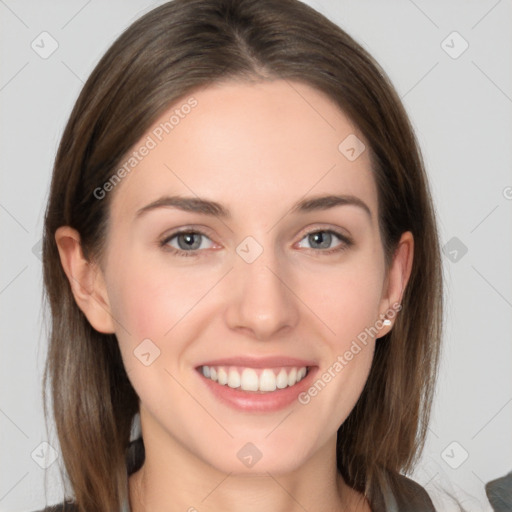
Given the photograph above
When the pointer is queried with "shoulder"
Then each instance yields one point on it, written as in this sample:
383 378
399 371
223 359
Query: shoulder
409 495
65 506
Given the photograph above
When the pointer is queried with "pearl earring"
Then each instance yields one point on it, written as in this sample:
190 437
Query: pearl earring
386 322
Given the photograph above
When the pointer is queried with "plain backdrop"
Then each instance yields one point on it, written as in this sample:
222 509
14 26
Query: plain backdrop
450 62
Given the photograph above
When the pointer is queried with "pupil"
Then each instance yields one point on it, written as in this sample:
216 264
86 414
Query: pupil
189 240
319 238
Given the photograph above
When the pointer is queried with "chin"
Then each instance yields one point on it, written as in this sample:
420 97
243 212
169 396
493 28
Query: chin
258 458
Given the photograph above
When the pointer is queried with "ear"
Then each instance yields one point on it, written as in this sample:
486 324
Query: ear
86 280
396 281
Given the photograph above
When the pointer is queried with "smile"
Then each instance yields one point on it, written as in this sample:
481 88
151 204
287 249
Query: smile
259 380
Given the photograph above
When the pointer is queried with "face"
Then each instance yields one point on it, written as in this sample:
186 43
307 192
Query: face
256 286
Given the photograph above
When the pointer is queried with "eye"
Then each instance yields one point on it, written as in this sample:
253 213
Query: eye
188 242
322 240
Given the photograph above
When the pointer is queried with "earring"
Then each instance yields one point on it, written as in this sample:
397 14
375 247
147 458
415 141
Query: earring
386 322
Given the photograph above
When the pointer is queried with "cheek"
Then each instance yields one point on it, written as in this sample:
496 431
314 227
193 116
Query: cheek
149 301
348 306
347 299
347 302
150 298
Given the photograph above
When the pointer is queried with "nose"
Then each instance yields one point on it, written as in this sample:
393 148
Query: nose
261 298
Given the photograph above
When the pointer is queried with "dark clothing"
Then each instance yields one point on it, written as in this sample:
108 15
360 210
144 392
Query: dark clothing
499 492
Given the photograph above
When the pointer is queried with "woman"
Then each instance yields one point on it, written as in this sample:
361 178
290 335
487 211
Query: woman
213 147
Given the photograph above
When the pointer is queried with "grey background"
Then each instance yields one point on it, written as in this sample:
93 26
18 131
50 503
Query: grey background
461 110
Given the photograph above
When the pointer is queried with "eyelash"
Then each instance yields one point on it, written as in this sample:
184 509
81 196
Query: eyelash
346 242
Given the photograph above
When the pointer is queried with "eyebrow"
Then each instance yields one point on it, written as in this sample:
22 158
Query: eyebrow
214 209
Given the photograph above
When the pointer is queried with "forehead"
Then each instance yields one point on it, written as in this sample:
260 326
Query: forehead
249 146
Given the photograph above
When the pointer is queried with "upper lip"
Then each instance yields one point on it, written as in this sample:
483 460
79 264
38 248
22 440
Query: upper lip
259 362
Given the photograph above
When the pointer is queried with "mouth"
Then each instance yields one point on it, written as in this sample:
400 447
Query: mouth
257 386
255 380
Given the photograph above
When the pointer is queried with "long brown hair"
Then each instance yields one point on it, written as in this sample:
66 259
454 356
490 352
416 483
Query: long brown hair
168 53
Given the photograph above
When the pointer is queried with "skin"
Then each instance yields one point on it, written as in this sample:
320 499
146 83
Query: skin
257 149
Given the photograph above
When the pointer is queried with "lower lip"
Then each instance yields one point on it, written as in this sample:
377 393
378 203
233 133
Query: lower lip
253 401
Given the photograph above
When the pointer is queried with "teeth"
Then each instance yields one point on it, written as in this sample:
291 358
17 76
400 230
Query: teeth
282 379
292 377
233 378
222 376
250 379
267 380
